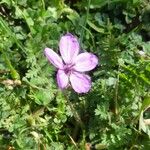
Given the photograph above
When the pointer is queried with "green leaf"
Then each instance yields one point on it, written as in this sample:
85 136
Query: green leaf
93 26
145 104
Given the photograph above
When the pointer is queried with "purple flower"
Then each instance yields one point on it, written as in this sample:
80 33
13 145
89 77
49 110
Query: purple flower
72 65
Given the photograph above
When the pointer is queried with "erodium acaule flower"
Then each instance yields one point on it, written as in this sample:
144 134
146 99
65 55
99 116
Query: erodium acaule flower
72 65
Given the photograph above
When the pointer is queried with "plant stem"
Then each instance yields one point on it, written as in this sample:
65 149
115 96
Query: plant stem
79 124
5 27
43 4
13 72
116 94
75 113
84 24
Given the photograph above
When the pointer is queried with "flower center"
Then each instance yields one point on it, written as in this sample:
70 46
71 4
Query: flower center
68 68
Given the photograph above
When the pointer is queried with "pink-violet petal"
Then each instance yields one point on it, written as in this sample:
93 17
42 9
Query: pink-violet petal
81 83
62 79
69 48
53 58
85 62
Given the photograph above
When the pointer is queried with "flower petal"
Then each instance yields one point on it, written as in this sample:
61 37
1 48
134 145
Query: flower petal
54 58
85 62
62 79
81 83
69 48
